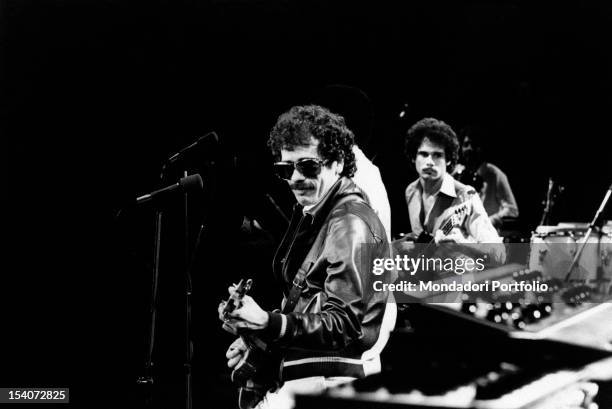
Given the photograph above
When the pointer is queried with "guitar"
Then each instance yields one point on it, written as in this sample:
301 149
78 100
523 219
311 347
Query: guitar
234 302
453 216
257 370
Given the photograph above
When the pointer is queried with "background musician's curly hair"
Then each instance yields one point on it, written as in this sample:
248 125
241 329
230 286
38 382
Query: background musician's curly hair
437 132
294 128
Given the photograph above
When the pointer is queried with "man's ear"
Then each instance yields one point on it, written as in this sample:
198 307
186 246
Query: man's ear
338 166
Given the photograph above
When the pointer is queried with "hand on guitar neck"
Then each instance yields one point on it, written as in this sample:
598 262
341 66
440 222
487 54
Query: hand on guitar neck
453 236
240 312
491 253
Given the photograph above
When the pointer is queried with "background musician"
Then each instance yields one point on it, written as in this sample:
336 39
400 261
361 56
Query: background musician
433 147
491 182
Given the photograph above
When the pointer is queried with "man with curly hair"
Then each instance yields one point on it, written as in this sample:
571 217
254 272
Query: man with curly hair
433 147
328 329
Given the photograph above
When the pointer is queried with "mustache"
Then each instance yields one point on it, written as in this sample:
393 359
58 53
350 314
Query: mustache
301 186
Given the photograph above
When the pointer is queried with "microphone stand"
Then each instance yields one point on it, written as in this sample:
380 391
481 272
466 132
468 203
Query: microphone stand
592 225
188 292
190 258
188 340
547 206
147 378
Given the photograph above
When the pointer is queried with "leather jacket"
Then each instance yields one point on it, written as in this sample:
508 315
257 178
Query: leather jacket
338 314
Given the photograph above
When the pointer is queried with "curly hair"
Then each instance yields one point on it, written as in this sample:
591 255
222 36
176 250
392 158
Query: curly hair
437 132
295 128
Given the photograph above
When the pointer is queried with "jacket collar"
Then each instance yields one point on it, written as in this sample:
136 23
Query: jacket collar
447 188
343 187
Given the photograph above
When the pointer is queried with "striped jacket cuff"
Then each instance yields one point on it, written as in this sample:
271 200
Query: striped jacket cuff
277 325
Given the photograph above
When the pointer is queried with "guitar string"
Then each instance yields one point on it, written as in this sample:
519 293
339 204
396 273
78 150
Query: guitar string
448 226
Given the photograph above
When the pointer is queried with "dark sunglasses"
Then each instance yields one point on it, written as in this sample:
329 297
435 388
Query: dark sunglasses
308 167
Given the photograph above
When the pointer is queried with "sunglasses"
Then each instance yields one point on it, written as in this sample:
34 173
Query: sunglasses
308 167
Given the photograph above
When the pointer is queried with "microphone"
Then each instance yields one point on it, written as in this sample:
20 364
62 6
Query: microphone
211 136
191 182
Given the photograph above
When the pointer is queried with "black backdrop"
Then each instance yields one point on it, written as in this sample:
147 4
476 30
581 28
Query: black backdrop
97 93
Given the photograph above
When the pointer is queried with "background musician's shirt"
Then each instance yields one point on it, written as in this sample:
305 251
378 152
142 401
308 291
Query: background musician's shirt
496 194
475 225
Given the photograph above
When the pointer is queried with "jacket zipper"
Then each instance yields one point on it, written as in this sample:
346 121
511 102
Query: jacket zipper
295 234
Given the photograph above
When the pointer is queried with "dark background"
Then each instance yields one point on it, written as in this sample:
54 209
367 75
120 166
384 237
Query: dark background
96 94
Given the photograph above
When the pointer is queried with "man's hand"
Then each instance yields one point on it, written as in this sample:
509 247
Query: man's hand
454 236
248 315
235 352
491 252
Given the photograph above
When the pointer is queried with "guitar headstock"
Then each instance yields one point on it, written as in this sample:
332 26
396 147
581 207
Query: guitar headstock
456 217
461 210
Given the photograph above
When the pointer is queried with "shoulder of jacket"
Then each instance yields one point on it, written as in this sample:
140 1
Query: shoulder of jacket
353 213
356 205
